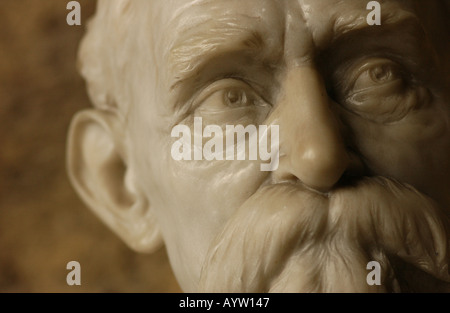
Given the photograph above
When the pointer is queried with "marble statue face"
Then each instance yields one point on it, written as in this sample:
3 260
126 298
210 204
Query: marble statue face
364 142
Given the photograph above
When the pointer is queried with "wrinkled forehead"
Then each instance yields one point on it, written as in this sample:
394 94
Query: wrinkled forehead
186 29
321 17
176 21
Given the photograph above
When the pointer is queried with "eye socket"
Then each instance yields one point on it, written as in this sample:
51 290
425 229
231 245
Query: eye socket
377 89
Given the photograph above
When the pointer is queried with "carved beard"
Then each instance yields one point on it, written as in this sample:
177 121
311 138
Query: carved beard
288 239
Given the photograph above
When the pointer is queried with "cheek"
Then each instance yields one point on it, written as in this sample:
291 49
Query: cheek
414 150
209 192
194 200
206 191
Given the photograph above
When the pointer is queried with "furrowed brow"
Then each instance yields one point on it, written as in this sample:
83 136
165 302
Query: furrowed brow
225 36
344 25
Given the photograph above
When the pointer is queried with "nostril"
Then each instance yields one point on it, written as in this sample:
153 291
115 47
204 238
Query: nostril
355 171
348 179
317 170
283 174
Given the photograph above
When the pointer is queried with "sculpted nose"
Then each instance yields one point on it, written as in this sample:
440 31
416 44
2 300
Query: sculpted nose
312 149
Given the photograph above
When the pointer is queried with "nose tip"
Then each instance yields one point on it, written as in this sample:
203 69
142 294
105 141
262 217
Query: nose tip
320 170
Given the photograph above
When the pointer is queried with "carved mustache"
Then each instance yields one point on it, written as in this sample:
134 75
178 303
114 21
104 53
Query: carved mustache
286 238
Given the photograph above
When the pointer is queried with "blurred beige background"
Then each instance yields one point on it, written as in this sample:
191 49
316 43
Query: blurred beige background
43 224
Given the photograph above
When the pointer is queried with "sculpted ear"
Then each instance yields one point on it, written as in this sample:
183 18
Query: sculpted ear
100 170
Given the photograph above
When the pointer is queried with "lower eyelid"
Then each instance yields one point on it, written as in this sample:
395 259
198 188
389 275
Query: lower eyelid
395 84
247 114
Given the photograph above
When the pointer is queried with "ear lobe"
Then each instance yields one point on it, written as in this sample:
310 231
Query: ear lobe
99 170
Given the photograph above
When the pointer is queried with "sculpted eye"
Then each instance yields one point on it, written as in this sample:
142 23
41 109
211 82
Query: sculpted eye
377 73
231 100
228 94
382 73
236 97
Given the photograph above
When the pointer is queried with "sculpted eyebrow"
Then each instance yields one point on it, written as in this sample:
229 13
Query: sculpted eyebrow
225 36
393 18
397 34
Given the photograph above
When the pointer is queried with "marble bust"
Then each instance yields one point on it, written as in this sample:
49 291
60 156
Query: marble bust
362 147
